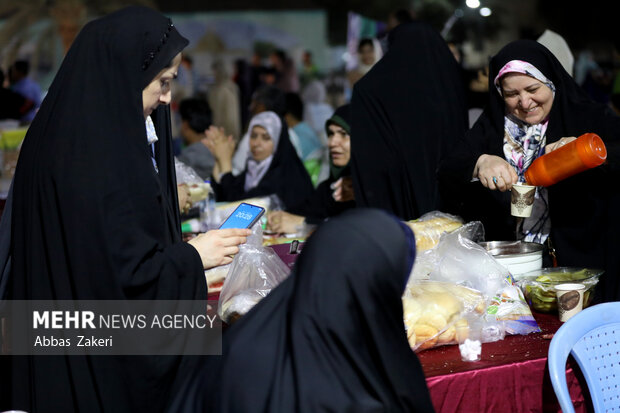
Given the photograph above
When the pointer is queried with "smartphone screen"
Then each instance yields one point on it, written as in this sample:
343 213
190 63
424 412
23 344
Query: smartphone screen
244 216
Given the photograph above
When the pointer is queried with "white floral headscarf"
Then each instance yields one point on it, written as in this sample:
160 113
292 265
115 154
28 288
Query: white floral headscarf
523 143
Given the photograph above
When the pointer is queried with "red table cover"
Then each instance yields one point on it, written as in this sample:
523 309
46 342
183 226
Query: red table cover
511 376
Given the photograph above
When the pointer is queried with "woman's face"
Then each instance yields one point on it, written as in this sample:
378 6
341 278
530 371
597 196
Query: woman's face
367 54
158 91
527 98
339 143
261 144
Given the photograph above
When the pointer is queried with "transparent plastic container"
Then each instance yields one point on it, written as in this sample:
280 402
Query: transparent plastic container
207 209
585 152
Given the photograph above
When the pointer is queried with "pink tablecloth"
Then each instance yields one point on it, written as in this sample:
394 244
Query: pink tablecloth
512 376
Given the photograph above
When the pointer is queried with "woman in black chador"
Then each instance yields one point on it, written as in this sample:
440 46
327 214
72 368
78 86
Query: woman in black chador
407 111
330 338
535 107
95 213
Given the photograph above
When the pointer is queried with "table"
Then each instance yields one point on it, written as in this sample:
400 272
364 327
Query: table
512 376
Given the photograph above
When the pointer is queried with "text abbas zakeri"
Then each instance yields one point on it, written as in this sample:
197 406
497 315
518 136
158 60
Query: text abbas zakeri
63 320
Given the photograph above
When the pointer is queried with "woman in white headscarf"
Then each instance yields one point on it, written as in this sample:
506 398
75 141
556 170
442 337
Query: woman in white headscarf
272 167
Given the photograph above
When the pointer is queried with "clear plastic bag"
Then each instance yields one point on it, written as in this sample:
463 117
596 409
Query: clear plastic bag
254 272
440 313
185 174
459 260
430 226
199 189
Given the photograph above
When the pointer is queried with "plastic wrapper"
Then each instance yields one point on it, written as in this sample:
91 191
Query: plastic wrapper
459 260
198 188
185 174
254 272
439 313
429 227
509 307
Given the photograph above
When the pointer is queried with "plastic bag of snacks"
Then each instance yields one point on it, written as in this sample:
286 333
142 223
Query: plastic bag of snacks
458 259
254 272
439 313
430 226
198 188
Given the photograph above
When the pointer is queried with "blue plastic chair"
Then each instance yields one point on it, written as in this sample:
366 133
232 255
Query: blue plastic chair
592 337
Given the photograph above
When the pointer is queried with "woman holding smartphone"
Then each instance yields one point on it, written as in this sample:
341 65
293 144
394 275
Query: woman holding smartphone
95 213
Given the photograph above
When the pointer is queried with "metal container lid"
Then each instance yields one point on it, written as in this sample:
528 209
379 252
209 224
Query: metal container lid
511 248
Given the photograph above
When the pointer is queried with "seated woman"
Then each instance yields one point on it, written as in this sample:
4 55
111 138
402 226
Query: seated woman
273 166
535 108
335 194
330 338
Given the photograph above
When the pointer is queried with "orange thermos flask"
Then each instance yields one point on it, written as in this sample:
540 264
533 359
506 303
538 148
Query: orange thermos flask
585 152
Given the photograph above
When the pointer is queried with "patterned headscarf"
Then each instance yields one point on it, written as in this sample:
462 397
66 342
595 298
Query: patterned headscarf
522 142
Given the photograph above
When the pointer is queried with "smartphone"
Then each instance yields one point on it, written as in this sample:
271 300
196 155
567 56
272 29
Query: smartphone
244 216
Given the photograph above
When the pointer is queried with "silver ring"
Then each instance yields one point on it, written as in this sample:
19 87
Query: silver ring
495 179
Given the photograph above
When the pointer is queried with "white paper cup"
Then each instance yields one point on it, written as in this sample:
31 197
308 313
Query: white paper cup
570 299
521 200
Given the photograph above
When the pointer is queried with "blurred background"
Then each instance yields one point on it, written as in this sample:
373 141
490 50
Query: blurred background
41 31
314 49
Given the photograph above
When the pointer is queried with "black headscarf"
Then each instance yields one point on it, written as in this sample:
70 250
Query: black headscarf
92 219
407 111
342 118
286 177
330 337
322 204
585 225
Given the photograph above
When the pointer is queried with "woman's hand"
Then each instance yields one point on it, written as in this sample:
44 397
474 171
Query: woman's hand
185 202
283 222
343 189
555 145
222 147
495 173
219 246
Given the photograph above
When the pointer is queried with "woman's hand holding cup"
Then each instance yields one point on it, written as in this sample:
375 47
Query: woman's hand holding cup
495 173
